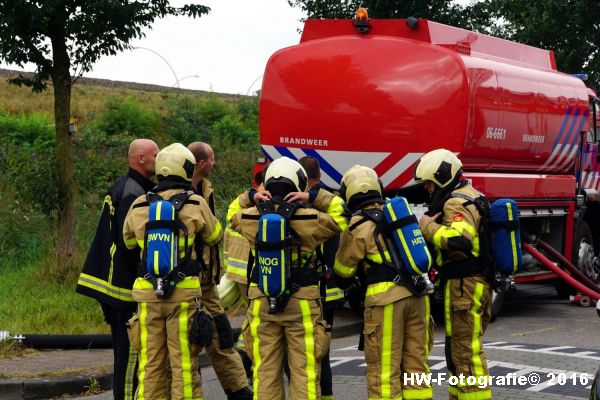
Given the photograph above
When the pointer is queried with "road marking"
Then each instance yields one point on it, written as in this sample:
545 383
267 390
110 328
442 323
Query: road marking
531 332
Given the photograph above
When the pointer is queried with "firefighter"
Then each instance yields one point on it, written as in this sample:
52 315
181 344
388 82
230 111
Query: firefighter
451 225
161 327
397 325
110 269
236 251
224 358
330 293
297 324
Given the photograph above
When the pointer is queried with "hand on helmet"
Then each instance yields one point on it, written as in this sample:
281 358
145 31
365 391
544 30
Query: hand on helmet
262 196
302 197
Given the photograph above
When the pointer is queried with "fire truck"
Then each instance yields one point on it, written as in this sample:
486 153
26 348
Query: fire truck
381 93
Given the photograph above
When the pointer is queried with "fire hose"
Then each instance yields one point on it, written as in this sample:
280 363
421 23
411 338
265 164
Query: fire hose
561 274
570 267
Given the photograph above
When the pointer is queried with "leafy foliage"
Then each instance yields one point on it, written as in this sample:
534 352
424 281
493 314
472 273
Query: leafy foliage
31 30
571 28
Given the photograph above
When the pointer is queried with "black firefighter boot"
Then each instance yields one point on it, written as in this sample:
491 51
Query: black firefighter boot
242 394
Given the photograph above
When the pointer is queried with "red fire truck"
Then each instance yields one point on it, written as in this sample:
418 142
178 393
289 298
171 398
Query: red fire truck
381 93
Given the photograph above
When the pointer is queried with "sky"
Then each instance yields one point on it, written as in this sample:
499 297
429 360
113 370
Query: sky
225 51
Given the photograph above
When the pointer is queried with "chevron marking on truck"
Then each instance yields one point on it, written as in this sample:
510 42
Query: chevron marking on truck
333 163
568 161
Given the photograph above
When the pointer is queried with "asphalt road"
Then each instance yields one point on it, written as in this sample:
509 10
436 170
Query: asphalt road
538 337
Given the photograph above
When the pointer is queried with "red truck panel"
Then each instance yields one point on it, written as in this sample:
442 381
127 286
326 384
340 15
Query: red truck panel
385 98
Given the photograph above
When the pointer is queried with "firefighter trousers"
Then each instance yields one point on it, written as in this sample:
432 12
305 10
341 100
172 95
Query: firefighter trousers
326 377
298 330
221 353
125 358
467 303
162 340
397 340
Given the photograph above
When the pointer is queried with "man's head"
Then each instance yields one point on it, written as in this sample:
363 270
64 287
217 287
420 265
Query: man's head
361 186
142 156
312 168
284 176
205 159
438 169
175 162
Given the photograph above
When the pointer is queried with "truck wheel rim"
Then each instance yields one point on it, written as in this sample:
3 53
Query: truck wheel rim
587 262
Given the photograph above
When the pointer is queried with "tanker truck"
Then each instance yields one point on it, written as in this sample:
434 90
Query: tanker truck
381 93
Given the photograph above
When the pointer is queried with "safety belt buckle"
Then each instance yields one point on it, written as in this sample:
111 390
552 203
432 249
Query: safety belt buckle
397 279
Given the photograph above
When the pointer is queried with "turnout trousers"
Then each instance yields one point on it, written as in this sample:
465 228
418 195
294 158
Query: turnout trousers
398 337
467 303
221 352
162 340
125 364
298 330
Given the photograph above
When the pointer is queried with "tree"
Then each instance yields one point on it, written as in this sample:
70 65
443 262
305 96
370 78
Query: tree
569 27
63 39
444 11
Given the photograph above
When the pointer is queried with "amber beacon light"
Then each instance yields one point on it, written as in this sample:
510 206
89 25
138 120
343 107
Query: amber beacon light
361 20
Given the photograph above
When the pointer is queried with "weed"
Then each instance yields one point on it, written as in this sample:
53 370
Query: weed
94 387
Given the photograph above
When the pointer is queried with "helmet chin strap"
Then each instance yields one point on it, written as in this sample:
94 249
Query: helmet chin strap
440 195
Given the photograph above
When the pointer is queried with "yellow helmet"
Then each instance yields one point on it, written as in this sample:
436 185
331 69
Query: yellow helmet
360 185
229 292
285 174
175 160
440 166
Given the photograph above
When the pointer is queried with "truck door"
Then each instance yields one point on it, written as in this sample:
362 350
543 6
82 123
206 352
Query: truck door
588 175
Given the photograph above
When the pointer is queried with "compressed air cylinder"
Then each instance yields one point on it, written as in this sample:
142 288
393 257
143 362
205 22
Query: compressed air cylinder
407 236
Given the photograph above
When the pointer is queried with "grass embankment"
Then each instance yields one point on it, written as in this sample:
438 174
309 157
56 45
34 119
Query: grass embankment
37 298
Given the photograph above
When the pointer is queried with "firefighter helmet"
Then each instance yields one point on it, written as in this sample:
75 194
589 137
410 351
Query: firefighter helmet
360 185
285 175
440 166
228 292
175 160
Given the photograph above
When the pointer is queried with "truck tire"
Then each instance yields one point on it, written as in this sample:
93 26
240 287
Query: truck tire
585 252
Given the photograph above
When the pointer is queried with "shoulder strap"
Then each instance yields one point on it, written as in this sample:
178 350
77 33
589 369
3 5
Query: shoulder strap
369 214
178 200
152 197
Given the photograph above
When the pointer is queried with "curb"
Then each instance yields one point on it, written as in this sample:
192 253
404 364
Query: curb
44 388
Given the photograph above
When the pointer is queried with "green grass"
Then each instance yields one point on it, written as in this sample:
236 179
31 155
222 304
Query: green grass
32 304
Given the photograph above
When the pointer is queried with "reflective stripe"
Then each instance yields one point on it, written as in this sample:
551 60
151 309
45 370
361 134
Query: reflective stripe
113 249
327 397
131 243
427 338
483 394
104 287
447 314
453 389
236 271
342 270
213 237
415 394
378 259
309 350
475 342
140 243
378 288
334 294
513 240
144 349
231 232
456 230
386 351
190 282
234 208
336 211
255 346
184 347
129 374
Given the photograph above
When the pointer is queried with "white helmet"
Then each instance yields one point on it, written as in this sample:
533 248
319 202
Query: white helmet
229 292
440 166
175 160
288 172
361 185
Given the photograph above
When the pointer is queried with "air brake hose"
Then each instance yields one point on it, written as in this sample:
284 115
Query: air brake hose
572 269
561 274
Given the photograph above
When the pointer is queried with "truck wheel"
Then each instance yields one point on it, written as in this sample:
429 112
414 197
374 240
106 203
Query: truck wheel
497 300
584 252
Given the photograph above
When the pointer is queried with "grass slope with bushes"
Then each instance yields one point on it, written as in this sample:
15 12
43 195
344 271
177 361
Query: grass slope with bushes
36 298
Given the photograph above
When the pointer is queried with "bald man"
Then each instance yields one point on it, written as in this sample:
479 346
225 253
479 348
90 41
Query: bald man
110 269
224 358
